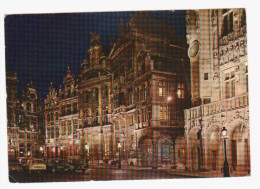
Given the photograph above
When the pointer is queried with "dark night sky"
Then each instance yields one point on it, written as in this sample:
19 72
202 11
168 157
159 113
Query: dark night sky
40 47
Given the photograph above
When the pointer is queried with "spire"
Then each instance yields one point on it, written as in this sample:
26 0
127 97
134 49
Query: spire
68 70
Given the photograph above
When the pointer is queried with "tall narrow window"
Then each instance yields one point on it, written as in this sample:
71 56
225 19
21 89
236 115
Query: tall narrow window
160 91
162 88
227 24
180 90
163 113
230 84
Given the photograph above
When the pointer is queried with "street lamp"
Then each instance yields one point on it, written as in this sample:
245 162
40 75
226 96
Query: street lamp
119 161
86 154
225 166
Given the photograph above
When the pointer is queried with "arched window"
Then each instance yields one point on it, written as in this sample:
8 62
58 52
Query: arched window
165 149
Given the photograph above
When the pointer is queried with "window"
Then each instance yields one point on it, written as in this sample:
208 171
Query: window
246 78
75 125
162 88
69 127
227 26
230 84
243 18
57 132
162 112
180 90
68 109
52 132
206 76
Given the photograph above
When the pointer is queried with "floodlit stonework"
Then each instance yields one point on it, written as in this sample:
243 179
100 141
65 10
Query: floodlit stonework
219 90
152 100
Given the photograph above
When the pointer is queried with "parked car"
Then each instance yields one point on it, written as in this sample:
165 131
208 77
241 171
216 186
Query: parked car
59 165
79 165
37 165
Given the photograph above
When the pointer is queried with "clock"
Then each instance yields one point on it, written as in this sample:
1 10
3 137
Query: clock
194 49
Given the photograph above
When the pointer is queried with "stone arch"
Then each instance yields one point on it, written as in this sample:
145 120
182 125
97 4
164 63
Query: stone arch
194 149
145 151
244 127
239 154
215 149
165 150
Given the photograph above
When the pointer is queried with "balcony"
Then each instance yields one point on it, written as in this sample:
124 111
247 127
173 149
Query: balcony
217 107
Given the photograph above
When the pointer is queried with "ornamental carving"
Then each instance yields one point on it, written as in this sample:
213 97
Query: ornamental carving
194 49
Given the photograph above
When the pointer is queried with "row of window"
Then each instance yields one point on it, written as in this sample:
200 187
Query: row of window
164 90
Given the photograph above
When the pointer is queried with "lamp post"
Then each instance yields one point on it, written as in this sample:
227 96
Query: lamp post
86 154
225 166
119 161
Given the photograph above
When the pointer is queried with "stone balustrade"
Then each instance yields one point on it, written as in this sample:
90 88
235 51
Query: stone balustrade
217 107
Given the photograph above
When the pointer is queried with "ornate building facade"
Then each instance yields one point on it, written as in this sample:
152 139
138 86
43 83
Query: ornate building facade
25 127
12 117
219 90
128 103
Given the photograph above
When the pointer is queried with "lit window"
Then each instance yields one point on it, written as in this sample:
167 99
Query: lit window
160 91
180 90
162 112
